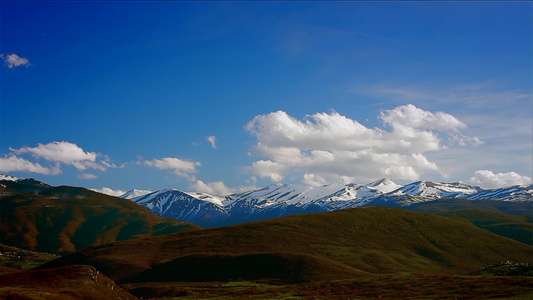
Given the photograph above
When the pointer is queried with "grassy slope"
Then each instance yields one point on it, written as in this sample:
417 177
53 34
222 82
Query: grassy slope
15 259
71 282
517 227
368 239
444 205
405 286
66 219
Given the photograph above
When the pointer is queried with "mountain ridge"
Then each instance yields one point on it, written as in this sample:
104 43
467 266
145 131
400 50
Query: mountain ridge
280 199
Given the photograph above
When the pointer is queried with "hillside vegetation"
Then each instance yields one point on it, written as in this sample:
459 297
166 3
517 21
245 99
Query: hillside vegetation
64 219
365 240
66 283
517 227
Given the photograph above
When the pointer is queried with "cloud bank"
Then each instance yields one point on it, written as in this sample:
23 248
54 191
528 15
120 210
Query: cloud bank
329 147
57 154
490 180
13 163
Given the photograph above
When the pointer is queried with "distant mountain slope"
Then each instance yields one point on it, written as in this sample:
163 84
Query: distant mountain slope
519 228
63 219
365 240
279 200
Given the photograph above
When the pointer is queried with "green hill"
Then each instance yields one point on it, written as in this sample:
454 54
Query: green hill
517 227
65 219
443 205
365 240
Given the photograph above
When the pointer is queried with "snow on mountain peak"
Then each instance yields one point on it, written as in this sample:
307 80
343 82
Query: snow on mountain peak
4 177
384 185
430 189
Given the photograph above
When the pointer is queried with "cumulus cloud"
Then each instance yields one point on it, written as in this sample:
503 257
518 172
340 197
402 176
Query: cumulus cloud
180 167
12 60
57 154
213 141
109 191
267 168
63 152
490 180
327 146
413 117
13 163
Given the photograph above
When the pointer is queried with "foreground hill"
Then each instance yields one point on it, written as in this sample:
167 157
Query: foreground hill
14 259
71 282
322 246
64 219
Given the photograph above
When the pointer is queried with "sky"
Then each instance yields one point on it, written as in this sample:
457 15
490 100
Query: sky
222 97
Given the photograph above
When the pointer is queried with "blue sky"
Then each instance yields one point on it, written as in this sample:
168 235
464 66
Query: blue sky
225 96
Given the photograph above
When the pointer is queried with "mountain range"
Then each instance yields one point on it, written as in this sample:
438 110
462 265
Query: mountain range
279 200
433 245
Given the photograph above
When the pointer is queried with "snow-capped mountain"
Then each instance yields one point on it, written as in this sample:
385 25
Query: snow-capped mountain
429 189
171 203
278 200
4 177
513 193
384 185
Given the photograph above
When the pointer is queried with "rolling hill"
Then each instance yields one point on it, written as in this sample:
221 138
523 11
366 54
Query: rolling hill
66 283
36 216
517 227
339 244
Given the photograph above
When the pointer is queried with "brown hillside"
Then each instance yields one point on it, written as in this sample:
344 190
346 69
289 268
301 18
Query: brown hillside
71 282
369 239
66 219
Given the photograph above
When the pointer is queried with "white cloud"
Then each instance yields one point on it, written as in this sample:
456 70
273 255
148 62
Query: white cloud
63 152
213 141
13 60
314 180
413 117
109 191
180 167
59 153
213 188
489 179
218 188
269 169
87 176
12 163
330 146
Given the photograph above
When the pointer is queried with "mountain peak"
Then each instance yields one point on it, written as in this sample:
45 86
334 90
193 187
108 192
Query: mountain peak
4 177
384 185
